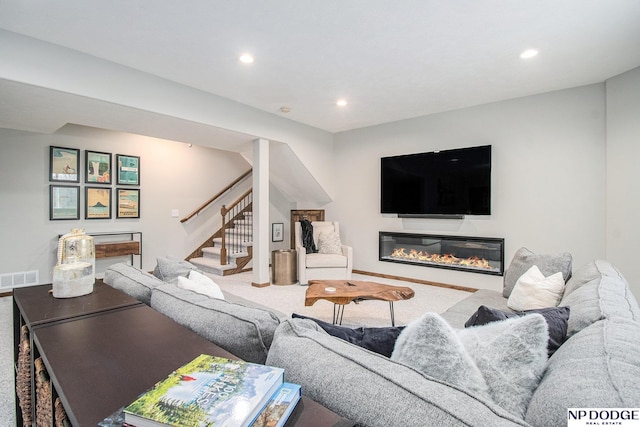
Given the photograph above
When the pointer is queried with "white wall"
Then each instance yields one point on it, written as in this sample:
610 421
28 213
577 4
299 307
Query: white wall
172 176
548 179
623 174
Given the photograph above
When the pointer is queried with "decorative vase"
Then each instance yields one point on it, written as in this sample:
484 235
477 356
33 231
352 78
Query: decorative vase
74 275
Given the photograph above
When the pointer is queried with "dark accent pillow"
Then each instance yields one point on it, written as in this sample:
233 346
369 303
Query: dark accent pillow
557 320
378 340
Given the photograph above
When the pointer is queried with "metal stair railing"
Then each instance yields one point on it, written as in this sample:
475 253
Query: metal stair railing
234 229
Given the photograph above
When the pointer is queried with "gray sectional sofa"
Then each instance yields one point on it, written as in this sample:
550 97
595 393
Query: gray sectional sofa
596 367
240 326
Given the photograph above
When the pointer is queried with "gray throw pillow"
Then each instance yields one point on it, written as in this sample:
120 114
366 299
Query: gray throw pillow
503 360
168 269
512 356
524 259
432 347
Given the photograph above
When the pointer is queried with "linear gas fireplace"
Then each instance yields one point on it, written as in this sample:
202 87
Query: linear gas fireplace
473 254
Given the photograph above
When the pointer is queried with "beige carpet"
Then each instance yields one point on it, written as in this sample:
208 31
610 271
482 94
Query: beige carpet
290 299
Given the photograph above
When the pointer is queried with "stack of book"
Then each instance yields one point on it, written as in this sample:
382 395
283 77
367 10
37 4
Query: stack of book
279 407
216 391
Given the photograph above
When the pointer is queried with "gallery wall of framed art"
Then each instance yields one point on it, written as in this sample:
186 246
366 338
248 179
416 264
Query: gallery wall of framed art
97 198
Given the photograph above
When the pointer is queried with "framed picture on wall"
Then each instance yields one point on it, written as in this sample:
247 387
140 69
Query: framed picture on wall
64 202
128 203
97 167
277 232
128 170
64 164
97 203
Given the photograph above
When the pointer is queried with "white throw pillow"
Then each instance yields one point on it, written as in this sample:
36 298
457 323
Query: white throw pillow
533 290
329 243
201 284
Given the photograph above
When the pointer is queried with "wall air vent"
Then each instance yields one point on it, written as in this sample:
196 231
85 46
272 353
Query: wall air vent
15 280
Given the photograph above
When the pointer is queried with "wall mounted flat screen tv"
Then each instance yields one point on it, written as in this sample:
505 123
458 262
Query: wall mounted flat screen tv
448 182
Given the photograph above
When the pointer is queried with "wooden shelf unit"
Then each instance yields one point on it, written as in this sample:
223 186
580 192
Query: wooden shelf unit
111 249
115 248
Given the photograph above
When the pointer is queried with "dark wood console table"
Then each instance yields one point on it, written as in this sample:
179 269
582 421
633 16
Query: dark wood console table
103 349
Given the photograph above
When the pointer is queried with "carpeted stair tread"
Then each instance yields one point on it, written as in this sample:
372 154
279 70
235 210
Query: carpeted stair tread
214 252
212 265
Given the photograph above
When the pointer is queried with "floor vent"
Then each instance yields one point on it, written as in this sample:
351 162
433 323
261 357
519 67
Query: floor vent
14 280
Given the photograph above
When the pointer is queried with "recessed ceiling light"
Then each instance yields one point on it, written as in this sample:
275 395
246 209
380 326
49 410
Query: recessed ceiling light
285 109
529 53
246 58
341 102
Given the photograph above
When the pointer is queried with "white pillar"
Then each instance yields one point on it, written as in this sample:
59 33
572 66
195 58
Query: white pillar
261 227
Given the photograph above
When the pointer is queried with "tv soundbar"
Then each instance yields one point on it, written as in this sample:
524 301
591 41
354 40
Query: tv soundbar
432 216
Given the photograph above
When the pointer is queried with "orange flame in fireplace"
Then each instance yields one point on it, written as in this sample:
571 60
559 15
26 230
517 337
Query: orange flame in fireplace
447 259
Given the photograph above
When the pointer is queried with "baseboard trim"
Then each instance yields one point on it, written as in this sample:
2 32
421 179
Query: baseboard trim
419 281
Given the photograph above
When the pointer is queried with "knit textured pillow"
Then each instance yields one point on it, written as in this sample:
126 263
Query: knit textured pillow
329 243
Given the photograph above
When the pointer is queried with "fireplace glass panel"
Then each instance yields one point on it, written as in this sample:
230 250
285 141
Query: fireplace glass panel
473 254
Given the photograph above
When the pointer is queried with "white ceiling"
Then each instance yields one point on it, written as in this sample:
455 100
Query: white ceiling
392 60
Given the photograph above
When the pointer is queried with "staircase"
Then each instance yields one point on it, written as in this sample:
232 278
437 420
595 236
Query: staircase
239 247
230 249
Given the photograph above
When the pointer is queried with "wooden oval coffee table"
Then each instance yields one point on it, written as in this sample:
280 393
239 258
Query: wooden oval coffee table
347 291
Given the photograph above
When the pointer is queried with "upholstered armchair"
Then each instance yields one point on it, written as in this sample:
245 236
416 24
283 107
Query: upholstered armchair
333 261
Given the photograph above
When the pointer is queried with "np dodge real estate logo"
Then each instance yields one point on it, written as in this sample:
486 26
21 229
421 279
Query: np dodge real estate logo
625 417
